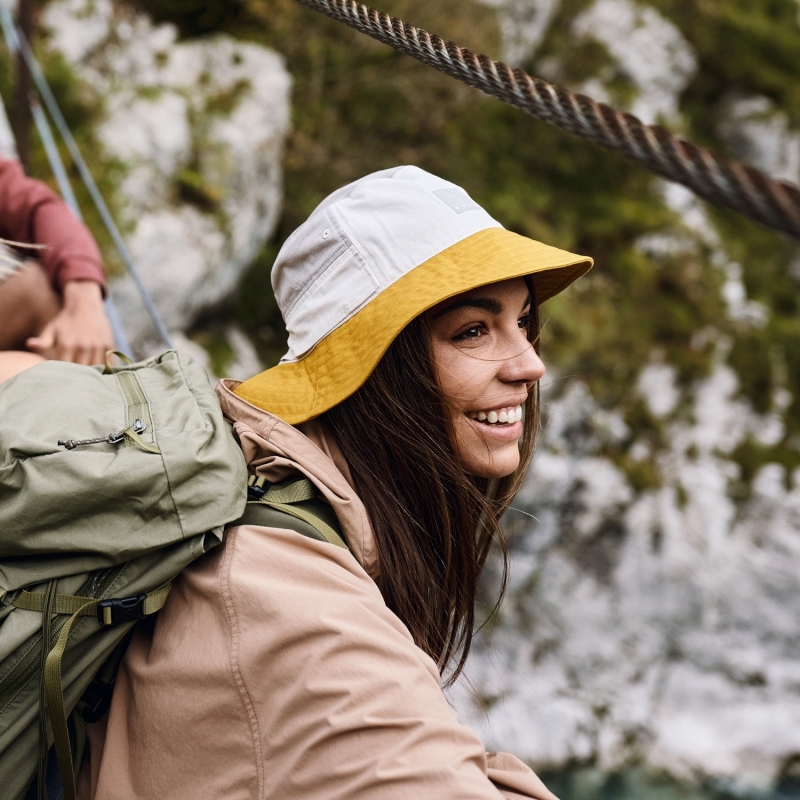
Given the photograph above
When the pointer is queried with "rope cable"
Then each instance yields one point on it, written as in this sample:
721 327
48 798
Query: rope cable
65 187
54 157
774 203
16 39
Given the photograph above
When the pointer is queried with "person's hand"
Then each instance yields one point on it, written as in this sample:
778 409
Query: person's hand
81 332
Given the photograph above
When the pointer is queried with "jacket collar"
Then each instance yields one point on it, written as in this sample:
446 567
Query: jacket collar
273 449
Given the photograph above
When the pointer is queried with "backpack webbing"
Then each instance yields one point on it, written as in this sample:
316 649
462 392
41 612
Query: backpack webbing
51 688
270 504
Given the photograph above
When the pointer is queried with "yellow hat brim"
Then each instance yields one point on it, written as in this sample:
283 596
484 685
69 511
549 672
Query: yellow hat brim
301 390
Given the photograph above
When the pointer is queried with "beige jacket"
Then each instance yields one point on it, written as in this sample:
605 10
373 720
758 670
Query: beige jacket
276 671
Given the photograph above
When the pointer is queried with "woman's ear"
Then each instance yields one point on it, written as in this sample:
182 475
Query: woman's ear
12 362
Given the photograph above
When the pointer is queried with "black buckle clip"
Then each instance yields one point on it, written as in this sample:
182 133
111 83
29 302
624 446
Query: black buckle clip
123 609
257 491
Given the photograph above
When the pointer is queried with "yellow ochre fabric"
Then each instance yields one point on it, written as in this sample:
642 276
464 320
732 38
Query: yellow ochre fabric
301 390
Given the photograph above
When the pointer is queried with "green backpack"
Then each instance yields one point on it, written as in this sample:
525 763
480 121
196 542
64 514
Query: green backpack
111 482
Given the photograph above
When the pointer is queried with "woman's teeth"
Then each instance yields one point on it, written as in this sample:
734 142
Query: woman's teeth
513 414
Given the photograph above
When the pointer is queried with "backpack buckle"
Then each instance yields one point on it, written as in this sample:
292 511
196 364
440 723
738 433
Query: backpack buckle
121 609
257 487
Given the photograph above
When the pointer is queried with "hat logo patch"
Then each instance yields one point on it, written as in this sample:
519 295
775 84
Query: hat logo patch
457 199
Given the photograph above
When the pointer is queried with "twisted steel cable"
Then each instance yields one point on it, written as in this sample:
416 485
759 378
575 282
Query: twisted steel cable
744 188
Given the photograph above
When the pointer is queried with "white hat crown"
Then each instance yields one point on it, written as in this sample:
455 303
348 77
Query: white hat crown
359 241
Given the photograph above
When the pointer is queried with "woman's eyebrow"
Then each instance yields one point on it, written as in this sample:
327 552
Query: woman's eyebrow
489 304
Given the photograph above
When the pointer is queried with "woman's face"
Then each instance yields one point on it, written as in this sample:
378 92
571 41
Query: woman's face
485 367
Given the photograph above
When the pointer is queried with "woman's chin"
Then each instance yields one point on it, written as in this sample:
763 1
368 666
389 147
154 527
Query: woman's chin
493 454
492 465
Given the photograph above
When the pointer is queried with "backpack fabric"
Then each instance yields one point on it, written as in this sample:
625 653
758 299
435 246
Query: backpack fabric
111 482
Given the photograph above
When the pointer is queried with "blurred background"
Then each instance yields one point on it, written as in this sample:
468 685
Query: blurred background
649 645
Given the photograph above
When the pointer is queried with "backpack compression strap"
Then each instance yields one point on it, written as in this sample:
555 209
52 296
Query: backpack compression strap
108 612
295 504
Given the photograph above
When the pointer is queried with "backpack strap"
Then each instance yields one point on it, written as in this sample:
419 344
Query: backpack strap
107 612
294 504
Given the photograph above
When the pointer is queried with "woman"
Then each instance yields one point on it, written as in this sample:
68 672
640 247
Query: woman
286 667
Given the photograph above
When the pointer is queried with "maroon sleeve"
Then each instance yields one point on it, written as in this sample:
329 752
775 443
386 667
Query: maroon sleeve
30 212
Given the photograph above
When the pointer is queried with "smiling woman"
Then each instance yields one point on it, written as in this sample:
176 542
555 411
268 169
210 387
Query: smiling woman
486 366
287 667
423 467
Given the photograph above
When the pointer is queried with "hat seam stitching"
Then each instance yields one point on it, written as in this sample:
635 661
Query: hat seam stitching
348 315
337 253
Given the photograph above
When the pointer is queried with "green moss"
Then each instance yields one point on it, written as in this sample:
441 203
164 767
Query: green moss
641 475
149 92
192 188
751 359
765 258
223 103
6 78
220 352
751 456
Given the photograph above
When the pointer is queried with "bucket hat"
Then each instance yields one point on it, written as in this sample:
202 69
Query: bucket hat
371 257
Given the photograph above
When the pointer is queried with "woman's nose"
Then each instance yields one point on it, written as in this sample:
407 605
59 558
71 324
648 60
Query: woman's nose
522 364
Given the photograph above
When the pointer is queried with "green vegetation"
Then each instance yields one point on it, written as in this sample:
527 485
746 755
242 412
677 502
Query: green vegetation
192 188
359 106
745 47
225 102
219 350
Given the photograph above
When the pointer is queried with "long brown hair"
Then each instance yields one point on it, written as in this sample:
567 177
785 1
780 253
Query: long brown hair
433 522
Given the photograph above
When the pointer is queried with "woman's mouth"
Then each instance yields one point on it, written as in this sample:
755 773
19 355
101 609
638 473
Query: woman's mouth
497 416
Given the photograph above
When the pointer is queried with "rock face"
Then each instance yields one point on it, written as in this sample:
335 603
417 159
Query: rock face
523 25
658 626
199 127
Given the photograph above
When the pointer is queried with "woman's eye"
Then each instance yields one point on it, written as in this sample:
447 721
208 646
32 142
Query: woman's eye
524 321
471 333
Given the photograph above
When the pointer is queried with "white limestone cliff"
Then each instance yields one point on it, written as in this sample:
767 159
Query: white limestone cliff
199 128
